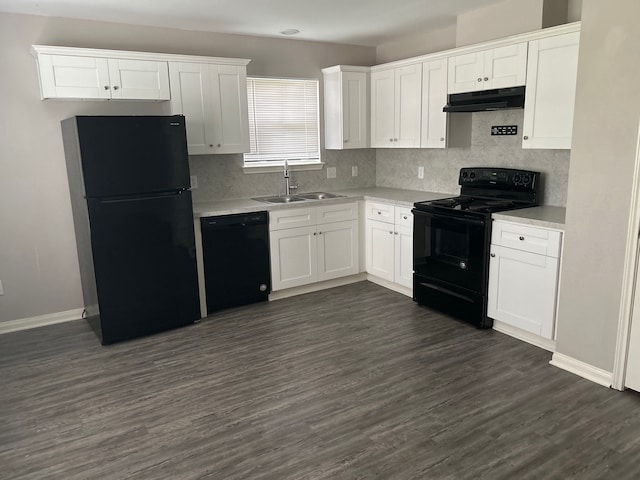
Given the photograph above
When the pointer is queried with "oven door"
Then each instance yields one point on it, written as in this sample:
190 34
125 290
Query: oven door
451 249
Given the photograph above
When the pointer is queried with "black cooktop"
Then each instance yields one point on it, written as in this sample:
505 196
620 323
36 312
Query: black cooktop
488 190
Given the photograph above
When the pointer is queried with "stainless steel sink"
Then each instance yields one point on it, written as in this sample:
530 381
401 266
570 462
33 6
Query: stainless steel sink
303 197
281 199
319 195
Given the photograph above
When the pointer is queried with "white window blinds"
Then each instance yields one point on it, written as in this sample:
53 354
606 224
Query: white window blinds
283 121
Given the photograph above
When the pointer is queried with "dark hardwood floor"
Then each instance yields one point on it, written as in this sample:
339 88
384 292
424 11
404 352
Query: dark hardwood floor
350 383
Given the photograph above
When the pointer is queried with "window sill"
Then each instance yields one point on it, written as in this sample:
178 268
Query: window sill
279 168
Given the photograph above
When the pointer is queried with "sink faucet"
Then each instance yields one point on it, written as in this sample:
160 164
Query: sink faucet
287 185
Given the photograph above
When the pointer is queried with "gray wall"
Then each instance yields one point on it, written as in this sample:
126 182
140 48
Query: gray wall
603 156
399 167
38 263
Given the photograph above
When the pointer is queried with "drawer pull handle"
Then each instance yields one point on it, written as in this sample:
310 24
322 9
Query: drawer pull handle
493 255
521 238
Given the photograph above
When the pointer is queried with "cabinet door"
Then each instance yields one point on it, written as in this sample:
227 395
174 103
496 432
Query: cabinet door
380 249
505 66
293 257
337 250
354 110
231 113
408 102
403 256
65 76
522 290
382 108
466 72
138 79
191 97
434 97
551 89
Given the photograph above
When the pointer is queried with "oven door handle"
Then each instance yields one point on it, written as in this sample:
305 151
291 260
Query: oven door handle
465 220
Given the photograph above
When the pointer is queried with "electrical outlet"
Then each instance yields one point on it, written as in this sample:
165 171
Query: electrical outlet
194 182
1 288
331 172
354 171
504 130
421 172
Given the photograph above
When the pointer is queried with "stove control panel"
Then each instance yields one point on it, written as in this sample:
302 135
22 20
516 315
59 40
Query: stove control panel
499 177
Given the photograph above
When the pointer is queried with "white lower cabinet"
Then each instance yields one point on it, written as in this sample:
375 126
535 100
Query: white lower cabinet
313 244
523 277
389 243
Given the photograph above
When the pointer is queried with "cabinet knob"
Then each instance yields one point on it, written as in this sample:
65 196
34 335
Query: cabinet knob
319 233
379 212
395 139
395 233
521 239
346 141
442 139
211 145
391 139
314 233
219 145
404 217
116 87
486 79
525 138
479 79
106 87
493 255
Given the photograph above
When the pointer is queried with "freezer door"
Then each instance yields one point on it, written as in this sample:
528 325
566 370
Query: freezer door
145 266
127 155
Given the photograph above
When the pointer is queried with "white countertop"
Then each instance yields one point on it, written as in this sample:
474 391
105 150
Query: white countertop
395 196
542 216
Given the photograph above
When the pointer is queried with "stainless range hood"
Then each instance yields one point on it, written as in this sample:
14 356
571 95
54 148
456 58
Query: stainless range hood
485 100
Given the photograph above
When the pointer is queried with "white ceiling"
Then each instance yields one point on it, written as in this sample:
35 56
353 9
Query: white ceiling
359 22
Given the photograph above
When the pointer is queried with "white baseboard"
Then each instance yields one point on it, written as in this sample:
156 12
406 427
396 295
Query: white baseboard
525 336
582 369
390 285
40 321
315 287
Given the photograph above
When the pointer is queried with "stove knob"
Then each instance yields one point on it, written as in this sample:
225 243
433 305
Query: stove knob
526 179
472 174
516 178
465 174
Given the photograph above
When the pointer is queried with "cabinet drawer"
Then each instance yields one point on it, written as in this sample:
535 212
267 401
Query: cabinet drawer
337 213
404 217
380 211
526 238
292 218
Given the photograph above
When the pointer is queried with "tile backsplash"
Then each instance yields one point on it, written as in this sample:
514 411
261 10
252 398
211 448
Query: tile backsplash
222 177
398 168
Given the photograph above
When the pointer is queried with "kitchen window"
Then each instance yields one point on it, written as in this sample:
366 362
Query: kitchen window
283 123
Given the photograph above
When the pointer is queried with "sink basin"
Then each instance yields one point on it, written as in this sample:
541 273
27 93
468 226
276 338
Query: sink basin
319 195
281 199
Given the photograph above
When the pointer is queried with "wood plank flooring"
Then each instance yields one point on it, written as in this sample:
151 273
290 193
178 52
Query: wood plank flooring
356 382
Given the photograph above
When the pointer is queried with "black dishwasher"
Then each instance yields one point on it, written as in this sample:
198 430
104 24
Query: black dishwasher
236 259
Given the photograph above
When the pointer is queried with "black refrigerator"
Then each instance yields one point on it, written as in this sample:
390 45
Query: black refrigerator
133 217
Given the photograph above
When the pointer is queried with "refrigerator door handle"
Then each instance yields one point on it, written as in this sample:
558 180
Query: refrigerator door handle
134 198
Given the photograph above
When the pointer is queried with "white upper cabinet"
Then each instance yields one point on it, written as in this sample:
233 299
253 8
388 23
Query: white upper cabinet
396 107
499 67
550 92
434 97
83 74
346 107
213 99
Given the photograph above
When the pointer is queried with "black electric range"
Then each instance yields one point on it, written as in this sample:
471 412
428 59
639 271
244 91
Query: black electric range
452 237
